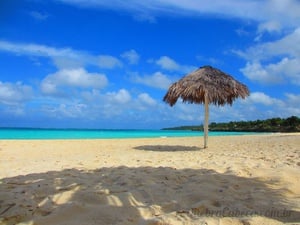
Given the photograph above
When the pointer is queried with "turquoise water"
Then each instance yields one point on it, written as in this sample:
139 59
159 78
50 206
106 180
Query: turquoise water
25 133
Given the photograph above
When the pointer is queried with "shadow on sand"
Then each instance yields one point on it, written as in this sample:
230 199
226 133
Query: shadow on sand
167 148
138 195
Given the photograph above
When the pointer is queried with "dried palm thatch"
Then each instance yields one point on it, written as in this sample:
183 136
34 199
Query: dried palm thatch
206 85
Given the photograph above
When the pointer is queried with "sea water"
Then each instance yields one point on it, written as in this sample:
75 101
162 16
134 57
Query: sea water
33 133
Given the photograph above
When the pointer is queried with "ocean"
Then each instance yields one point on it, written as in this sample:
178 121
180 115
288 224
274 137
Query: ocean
40 134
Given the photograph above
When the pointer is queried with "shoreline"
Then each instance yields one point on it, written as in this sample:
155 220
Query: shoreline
245 134
61 134
241 179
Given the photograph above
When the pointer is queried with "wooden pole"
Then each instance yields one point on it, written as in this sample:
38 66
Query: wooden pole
206 122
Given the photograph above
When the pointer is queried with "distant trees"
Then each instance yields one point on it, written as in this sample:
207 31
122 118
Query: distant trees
290 124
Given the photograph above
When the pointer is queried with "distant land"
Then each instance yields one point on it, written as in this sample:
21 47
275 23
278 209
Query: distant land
290 124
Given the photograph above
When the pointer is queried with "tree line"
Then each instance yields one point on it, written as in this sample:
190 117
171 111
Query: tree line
290 124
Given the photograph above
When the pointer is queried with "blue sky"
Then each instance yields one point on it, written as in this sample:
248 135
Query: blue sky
108 63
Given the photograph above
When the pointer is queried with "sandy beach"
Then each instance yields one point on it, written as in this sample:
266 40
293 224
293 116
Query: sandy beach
157 181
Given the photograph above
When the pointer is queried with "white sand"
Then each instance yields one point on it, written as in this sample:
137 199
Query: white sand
162 181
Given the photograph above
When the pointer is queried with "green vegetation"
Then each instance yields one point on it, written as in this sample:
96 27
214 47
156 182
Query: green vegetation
290 124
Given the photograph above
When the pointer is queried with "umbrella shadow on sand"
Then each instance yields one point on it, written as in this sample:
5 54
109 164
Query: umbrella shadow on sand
167 148
141 195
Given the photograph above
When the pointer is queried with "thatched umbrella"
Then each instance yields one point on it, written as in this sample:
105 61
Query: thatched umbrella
206 85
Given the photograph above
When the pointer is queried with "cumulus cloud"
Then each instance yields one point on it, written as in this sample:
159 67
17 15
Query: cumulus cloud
261 106
268 74
170 64
286 47
79 78
65 110
292 104
61 57
262 98
156 80
167 63
293 99
274 62
14 93
72 110
258 105
91 105
145 98
121 97
131 56
108 62
285 71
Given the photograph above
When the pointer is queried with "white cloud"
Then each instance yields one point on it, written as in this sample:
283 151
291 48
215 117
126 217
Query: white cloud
285 71
188 112
293 99
167 63
262 106
265 62
258 105
122 104
74 110
286 46
269 10
132 56
65 110
144 98
36 50
62 62
269 26
292 104
157 80
270 62
108 62
90 105
61 57
13 93
170 64
273 17
262 98
255 71
122 97
72 78
274 62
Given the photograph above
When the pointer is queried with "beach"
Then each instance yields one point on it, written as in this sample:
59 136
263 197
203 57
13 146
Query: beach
251 179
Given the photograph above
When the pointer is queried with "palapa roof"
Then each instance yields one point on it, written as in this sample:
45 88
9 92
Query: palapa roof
221 88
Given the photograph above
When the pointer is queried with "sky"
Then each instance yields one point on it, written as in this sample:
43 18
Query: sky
108 63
